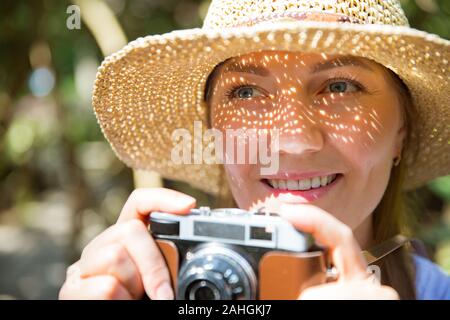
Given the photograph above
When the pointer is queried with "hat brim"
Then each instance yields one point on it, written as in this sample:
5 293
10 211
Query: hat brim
155 85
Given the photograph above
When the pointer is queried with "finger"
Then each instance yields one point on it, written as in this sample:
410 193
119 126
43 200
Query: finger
359 290
333 234
72 269
103 287
330 291
141 247
113 260
142 201
148 259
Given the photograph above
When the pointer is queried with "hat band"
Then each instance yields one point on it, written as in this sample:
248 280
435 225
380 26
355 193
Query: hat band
315 15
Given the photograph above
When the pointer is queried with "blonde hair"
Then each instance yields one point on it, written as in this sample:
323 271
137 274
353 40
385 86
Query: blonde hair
397 211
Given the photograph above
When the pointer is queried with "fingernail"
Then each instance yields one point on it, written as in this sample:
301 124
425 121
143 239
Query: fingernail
187 201
164 292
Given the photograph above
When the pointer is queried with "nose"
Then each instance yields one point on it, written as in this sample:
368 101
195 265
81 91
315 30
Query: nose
308 140
299 132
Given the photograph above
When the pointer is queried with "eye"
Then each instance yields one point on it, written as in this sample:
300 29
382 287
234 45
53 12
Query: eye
342 86
245 92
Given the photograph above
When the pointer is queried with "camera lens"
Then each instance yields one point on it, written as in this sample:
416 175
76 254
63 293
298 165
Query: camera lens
203 290
216 272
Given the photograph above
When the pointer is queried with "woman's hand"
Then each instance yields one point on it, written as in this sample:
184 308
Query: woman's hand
124 260
354 282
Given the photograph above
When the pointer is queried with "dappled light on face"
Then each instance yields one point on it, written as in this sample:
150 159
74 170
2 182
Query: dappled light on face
321 105
291 92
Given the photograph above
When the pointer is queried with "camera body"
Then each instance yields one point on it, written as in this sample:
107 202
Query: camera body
230 254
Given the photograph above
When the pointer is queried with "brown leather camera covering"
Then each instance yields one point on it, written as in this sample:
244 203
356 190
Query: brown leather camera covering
170 253
282 275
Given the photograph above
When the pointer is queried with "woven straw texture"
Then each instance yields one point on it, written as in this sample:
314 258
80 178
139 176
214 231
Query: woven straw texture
156 84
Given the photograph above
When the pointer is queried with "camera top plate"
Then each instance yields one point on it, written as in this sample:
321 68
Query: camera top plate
230 225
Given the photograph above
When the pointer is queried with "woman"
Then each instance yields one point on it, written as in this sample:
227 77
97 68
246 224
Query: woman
350 89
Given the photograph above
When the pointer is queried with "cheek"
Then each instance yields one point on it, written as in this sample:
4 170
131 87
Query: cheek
252 114
365 143
239 180
237 174
365 133
227 115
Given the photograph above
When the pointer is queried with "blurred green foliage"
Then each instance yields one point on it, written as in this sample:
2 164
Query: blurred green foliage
59 179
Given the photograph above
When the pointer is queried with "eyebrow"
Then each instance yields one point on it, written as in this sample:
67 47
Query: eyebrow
340 62
248 68
337 62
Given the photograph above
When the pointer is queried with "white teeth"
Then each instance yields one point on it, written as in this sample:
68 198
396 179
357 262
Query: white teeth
315 182
304 184
292 184
274 183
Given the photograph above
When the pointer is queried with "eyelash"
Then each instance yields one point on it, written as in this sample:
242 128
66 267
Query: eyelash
351 79
230 94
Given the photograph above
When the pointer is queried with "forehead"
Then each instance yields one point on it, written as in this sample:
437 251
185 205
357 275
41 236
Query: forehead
314 62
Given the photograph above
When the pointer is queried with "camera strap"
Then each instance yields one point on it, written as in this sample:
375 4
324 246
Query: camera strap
383 249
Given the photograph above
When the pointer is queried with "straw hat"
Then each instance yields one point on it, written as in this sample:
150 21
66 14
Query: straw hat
156 84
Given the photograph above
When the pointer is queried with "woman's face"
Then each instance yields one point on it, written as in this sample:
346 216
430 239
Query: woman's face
340 124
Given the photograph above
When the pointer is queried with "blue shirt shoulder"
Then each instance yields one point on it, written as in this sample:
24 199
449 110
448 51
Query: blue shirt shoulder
432 283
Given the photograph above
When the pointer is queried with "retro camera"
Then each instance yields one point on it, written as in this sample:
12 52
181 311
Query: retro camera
230 254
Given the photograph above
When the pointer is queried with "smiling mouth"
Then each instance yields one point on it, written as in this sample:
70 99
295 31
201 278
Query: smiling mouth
303 184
